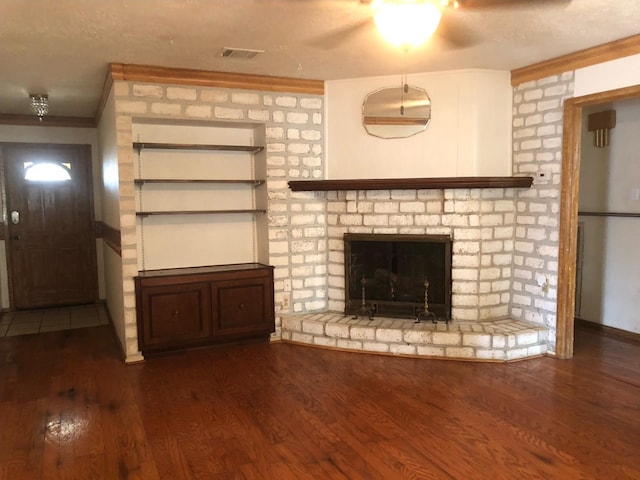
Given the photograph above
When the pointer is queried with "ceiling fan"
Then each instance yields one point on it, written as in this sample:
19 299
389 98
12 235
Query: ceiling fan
399 20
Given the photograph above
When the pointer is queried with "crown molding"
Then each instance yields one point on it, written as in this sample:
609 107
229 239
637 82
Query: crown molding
47 121
204 78
580 59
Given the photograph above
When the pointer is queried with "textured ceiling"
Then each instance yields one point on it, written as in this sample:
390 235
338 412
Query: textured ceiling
63 47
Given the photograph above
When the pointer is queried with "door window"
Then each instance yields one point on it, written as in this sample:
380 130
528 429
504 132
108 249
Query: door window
47 171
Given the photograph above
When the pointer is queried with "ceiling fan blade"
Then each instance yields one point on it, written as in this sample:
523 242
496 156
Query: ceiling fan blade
340 35
455 32
477 4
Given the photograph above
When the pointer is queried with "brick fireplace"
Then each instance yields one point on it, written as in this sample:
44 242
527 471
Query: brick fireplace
481 224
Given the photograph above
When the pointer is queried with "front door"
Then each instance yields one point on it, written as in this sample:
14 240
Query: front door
50 236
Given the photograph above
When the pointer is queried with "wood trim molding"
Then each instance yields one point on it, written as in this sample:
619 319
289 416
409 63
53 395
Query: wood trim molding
409 183
203 78
47 121
111 237
571 142
580 59
607 330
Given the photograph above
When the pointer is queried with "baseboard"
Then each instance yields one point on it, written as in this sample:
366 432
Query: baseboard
616 332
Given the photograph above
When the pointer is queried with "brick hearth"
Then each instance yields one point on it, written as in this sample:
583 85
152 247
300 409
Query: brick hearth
497 340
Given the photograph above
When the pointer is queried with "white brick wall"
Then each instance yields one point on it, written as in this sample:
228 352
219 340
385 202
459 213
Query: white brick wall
297 221
482 242
537 147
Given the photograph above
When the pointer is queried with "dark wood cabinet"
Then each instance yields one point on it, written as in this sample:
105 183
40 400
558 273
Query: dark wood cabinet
180 308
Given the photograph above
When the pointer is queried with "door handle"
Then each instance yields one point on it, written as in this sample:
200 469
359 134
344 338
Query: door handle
16 237
15 217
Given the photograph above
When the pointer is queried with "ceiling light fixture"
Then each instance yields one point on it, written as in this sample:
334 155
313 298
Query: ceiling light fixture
408 23
39 104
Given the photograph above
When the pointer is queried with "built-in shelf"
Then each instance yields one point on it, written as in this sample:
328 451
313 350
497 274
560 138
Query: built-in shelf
142 181
197 212
410 183
196 146
610 214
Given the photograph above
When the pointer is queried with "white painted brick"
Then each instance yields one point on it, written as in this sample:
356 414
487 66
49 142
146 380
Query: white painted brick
389 335
198 111
179 93
459 352
313 327
123 106
379 220
166 108
429 351
516 353
149 91
214 96
498 341
521 300
311 135
258 115
490 354
375 347
446 338
298 148
228 113
325 342
359 332
311 103
301 337
289 102
476 340
297 117
400 349
386 207
403 220
337 330
349 344
417 336
292 323
245 98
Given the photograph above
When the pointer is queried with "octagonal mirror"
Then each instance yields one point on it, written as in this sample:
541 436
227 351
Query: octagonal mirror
396 112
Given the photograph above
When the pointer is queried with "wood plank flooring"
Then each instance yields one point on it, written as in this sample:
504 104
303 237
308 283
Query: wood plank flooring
70 409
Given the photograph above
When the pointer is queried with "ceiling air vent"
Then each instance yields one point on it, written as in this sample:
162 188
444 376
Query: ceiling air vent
247 53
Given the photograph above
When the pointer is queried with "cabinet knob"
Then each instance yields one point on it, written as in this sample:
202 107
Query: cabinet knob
241 306
176 313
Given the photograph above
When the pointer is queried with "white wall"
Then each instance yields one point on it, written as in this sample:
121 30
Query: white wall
108 154
610 182
619 73
469 133
37 134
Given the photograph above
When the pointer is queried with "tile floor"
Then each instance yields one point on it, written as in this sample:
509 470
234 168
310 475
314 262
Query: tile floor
52 319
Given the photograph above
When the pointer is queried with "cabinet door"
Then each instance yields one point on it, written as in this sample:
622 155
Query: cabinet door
175 315
243 306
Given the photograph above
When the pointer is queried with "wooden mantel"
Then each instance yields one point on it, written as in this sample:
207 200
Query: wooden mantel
410 183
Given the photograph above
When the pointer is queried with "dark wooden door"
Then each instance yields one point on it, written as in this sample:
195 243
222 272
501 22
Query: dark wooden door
50 236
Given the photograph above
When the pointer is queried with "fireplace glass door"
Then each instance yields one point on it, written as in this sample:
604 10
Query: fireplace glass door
391 274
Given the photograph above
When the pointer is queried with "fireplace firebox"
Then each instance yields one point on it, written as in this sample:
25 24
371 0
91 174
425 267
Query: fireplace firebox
400 276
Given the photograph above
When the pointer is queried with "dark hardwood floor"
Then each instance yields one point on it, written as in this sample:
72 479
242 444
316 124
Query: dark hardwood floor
70 409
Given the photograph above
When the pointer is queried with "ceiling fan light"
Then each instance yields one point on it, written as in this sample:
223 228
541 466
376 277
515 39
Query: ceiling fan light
407 23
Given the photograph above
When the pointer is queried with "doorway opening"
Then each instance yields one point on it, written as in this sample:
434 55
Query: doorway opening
570 185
